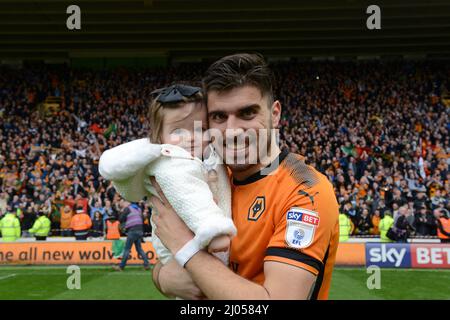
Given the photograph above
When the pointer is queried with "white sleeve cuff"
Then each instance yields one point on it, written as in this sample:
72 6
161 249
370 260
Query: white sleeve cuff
187 252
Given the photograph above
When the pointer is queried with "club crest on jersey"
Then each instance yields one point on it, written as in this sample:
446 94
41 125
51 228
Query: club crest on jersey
301 225
257 208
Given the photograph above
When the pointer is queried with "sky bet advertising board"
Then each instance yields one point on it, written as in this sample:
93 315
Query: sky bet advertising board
404 255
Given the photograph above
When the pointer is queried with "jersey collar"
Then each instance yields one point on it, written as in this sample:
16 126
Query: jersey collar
258 176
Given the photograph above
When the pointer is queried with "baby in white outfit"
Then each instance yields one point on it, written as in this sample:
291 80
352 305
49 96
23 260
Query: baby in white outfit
199 191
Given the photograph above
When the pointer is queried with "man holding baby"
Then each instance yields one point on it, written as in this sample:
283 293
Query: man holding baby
285 212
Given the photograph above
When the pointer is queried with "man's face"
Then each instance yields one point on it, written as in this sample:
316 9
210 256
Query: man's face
239 112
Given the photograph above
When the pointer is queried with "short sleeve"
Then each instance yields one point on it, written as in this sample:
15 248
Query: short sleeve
304 228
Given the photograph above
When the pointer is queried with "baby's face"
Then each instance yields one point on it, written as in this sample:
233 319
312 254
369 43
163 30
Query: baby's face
184 127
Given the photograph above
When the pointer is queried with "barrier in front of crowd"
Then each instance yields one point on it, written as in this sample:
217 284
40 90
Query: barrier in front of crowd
64 252
430 255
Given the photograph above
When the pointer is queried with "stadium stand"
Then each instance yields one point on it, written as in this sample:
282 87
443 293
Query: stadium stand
377 129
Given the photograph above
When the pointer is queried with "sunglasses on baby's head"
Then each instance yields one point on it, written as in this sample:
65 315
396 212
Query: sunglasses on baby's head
175 93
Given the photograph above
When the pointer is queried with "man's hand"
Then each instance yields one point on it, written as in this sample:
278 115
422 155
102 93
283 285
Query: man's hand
175 281
170 229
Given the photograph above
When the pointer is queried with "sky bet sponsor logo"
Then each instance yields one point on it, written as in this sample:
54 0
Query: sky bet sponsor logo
399 255
394 255
303 215
430 256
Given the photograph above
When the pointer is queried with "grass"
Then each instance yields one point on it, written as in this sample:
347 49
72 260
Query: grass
36 283
395 284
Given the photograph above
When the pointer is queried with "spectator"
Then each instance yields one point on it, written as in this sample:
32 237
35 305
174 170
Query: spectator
402 225
3 202
442 225
147 225
424 222
98 208
439 198
97 225
364 223
371 127
109 210
113 233
80 224
420 201
29 216
66 220
376 218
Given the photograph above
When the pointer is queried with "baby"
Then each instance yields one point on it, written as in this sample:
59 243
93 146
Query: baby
198 191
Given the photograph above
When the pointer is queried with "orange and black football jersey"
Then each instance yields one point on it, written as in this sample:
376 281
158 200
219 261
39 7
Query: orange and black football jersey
289 216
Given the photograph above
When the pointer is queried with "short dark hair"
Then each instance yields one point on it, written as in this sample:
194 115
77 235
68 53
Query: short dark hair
239 70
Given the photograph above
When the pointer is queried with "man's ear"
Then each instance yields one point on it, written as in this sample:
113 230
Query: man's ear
276 113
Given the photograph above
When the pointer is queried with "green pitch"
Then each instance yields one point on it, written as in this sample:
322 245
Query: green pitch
135 283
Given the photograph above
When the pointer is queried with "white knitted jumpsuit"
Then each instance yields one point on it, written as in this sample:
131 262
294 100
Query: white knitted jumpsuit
184 182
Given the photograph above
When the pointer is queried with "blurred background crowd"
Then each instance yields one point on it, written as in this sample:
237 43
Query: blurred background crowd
377 129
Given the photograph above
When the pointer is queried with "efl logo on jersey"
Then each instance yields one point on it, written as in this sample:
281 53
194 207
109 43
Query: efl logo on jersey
257 208
301 225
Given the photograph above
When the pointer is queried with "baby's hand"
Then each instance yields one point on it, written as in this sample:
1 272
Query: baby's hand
212 183
219 244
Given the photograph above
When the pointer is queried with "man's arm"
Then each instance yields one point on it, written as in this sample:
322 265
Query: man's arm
174 281
35 227
282 281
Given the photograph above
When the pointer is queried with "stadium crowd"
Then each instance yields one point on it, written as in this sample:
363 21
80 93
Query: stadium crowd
378 130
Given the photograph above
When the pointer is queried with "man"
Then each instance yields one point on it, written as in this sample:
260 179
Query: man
134 226
385 224
65 221
443 225
41 227
29 217
345 227
424 222
364 223
285 211
80 224
10 226
403 225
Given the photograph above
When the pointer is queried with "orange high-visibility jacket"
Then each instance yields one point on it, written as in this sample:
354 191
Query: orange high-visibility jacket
112 230
80 221
446 226
66 218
